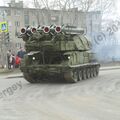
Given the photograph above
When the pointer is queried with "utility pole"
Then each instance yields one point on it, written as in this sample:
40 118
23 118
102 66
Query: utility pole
4 42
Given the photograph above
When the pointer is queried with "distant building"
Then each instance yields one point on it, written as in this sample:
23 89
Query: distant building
18 17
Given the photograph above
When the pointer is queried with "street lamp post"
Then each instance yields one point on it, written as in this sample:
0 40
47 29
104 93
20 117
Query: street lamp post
3 46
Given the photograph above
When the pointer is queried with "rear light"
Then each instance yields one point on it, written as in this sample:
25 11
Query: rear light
33 30
23 30
46 29
57 29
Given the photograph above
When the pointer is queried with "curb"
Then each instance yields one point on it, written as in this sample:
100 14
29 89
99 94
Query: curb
5 71
109 68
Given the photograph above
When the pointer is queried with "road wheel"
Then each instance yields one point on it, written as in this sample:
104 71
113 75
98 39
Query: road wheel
94 72
31 78
84 76
97 71
74 76
80 75
91 72
88 73
71 77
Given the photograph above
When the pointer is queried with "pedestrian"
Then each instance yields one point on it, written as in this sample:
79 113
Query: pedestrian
9 58
17 61
13 61
21 53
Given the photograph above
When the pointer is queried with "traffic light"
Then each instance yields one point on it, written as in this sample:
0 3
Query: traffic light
7 37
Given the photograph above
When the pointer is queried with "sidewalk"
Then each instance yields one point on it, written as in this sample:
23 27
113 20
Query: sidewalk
5 71
110 67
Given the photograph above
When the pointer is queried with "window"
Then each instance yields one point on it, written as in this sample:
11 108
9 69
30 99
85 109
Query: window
33 23
26 20
8 12
54 18
17 12
26 12
17 23
18 45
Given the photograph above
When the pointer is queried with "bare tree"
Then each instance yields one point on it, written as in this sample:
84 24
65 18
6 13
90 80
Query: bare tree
41 5
67 5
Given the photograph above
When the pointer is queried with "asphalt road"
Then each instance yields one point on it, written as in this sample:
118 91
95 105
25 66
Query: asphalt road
93 99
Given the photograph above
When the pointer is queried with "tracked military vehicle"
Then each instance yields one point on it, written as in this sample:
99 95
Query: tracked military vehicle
55 52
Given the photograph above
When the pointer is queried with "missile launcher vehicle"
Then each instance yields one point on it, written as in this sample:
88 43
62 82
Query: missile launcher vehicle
55 52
